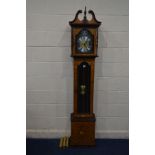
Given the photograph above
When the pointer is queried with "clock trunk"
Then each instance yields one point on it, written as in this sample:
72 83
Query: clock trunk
83 118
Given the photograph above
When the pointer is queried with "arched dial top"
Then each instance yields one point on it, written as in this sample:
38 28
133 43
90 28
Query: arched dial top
77 22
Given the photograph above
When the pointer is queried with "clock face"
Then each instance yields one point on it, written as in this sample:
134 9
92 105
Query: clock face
84 41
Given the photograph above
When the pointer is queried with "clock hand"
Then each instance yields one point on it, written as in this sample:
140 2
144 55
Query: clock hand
85 44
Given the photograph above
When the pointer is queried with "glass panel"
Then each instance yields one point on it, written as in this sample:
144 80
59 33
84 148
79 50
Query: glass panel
84 88
84 41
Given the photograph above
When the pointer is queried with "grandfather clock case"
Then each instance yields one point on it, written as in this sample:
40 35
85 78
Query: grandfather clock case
84 43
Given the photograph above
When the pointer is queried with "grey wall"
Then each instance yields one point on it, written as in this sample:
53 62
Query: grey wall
50 72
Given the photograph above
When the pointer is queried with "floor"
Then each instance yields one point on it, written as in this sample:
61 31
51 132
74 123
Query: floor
103 147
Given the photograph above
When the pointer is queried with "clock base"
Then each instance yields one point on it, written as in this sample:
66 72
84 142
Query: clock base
82 130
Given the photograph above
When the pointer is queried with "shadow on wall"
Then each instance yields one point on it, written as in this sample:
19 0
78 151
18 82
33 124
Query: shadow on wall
102 42
67 78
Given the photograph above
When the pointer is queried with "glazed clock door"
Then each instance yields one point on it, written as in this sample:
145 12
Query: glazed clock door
84 41
84 87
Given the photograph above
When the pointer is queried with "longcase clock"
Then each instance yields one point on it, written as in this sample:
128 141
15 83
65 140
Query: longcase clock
84 42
